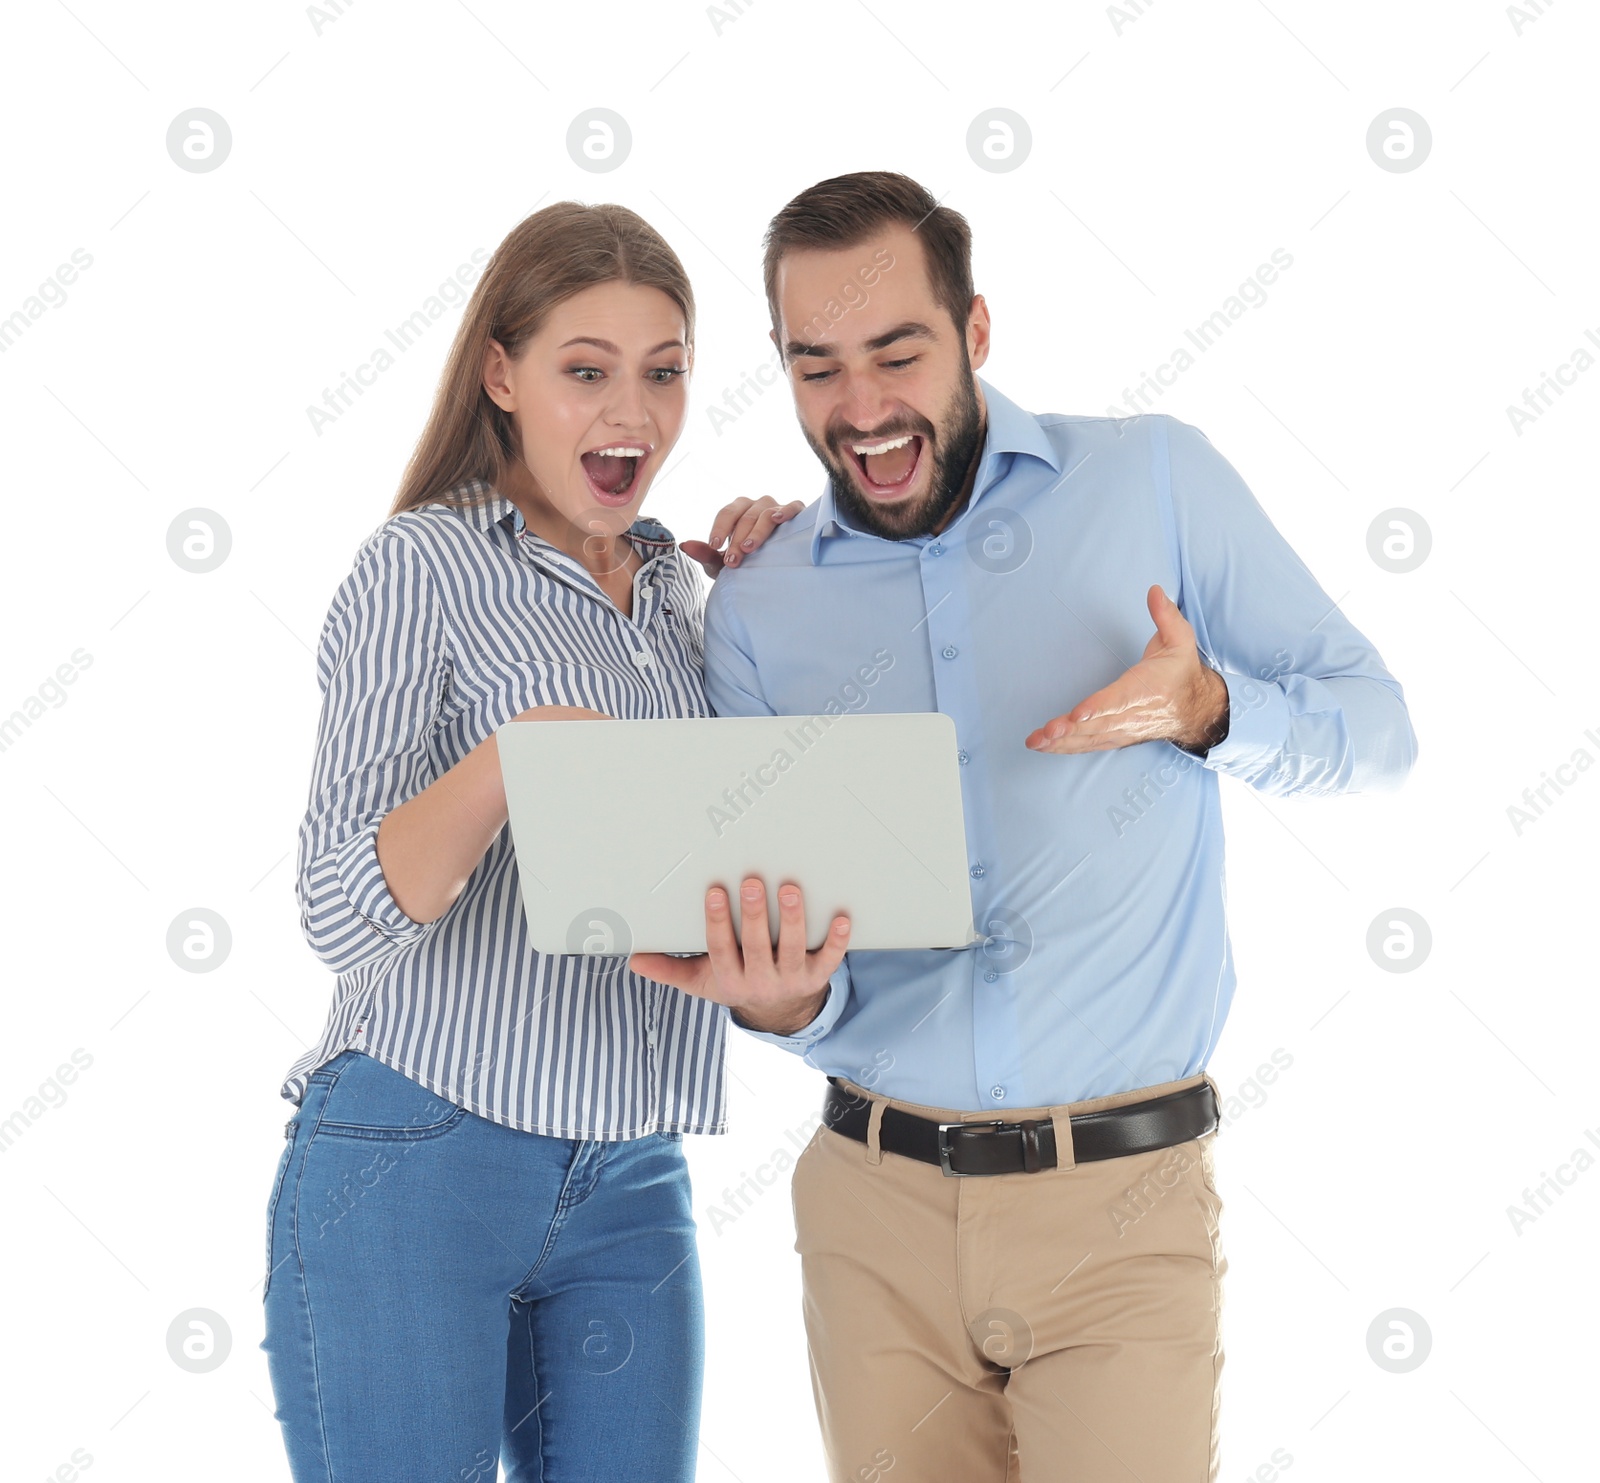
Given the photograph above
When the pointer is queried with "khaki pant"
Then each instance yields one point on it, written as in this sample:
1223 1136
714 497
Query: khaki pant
1012 1328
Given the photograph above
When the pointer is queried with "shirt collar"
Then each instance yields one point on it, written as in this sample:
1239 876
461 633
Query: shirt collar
1010 430
482 506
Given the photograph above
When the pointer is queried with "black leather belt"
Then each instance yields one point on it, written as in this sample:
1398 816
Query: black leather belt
996 1146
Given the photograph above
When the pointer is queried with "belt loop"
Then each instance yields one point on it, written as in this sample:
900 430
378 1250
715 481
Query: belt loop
874 1125
1062 1122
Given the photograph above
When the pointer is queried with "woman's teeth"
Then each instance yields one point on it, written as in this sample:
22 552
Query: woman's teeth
612 480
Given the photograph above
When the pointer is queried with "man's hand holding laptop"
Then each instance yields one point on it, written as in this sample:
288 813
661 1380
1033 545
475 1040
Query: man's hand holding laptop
778 991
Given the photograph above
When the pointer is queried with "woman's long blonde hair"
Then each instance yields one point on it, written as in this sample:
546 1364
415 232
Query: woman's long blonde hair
547 257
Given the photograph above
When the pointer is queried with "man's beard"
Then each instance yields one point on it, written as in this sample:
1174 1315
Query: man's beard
953 454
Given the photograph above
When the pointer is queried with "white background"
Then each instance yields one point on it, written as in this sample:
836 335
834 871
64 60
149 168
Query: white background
1171 153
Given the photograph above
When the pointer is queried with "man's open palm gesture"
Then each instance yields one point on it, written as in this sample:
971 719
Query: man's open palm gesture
1171 694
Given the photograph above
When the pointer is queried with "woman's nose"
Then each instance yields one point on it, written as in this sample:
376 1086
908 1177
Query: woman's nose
626 409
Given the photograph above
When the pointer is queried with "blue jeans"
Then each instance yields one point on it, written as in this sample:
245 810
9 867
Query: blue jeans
444 1292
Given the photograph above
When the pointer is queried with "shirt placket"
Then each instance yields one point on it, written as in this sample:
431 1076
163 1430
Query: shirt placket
646 583
637 627
947 573
646 589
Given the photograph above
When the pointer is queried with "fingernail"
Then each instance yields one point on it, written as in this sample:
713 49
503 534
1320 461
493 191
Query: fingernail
748 543
752 893
789 897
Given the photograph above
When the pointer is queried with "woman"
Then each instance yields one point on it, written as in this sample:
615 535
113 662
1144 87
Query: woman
479 1240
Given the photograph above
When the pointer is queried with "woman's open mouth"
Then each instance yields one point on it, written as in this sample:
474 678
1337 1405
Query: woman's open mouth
888 466
613 470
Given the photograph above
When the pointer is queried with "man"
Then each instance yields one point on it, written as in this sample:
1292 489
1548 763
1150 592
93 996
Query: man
1112 621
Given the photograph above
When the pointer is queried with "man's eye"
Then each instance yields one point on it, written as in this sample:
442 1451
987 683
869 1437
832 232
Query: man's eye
910 360
815 375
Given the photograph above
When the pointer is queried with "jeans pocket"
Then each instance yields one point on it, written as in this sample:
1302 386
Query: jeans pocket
289 1131
372 1100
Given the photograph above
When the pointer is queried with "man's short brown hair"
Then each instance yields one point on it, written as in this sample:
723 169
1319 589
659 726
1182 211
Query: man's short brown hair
849 209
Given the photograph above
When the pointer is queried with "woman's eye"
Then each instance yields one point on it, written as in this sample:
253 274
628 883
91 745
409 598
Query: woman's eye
665 375
583 373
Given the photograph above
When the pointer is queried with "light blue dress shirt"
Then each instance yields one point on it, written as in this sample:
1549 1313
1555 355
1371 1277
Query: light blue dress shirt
1097 878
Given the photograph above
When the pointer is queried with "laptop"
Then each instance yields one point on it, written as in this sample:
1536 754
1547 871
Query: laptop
620 826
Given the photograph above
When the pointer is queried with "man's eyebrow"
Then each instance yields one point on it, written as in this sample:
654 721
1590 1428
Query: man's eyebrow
608 346
911 328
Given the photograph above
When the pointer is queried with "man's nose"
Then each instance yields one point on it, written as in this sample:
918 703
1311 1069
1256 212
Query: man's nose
866 409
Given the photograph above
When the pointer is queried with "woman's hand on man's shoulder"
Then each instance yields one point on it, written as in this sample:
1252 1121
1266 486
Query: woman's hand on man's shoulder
744 524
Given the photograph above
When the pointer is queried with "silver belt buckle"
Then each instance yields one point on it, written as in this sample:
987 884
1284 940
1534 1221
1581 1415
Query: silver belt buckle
944 1142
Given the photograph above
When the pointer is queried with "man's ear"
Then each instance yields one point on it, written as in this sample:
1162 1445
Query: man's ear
978 331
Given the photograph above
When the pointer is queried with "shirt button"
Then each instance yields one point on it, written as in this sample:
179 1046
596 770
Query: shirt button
961 757
977 872
935 549
949 651
990 976
998 1093
642 657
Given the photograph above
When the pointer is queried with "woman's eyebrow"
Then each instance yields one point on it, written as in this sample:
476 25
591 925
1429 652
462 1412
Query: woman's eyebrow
608 346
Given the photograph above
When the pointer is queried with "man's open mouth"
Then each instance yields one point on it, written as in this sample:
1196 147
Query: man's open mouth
612 470
887 465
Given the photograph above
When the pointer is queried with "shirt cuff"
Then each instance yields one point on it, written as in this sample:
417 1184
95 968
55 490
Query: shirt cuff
806 1038
355 862
1258 724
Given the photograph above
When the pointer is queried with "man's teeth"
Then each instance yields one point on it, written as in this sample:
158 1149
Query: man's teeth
865 448
620 452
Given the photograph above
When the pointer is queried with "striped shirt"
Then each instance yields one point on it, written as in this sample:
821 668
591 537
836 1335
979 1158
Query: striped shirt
455 618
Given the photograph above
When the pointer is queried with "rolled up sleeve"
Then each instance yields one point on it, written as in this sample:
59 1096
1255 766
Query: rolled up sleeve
383 666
